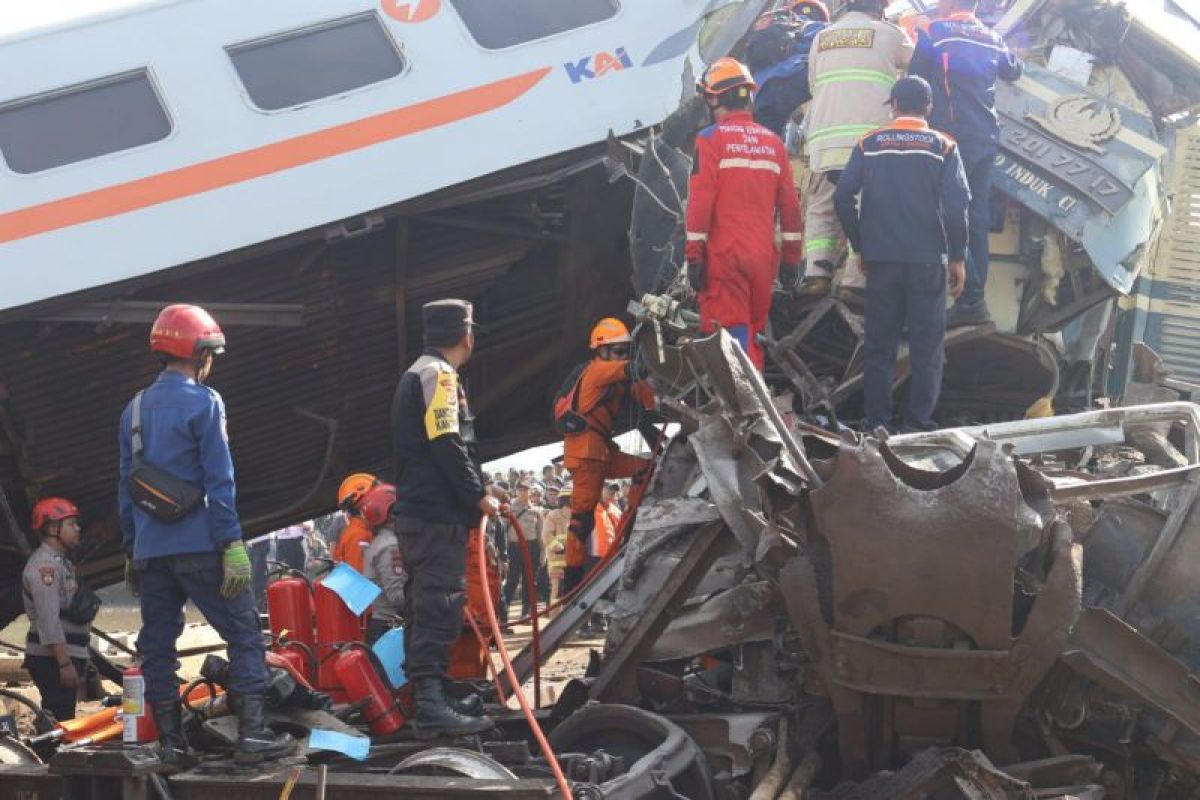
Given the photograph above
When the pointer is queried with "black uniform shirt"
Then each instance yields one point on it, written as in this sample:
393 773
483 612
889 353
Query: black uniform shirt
438 476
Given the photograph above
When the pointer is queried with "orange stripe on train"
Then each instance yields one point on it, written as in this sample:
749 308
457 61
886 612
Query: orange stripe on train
269 159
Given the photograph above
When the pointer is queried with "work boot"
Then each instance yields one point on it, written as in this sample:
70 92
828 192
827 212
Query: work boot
963 314
172 746
813 288
469 705
435 716
257 742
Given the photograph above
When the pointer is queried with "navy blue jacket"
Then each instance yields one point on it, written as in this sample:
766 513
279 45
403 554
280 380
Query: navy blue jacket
961 58
914 196
783 86
183 433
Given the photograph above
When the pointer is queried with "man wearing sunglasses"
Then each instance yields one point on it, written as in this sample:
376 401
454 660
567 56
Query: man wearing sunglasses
604 386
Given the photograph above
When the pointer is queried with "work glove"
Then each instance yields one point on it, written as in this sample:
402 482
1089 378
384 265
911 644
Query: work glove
789 277
132 582
235 564
697 275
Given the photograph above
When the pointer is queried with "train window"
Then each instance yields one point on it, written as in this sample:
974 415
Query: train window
81 122
301 66
526 20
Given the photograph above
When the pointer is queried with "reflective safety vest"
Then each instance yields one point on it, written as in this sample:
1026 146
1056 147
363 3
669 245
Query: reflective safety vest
851 68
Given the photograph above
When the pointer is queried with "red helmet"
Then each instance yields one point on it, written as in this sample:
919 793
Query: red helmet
52 509
376 505
183 331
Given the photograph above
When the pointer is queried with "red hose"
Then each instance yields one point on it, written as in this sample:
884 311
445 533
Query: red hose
531 591
543 743
487 650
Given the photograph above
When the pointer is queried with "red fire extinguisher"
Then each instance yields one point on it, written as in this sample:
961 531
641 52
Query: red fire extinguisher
336 625
363 685
136 714
290 608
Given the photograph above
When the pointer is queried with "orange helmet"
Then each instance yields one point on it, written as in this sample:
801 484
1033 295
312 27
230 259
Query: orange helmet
609 330
354 488
376 505
811 9
726 74
52 509
182 331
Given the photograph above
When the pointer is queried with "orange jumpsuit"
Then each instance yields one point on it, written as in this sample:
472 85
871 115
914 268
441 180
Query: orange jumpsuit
352 544
591 456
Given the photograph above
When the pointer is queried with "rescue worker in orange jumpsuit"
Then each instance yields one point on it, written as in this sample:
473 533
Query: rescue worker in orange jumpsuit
741 178
356 536
604 386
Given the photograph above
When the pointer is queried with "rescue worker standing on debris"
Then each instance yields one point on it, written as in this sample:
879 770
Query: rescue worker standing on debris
601 392
910 249
741 178
852 65
961 59
60 610
383 563
173 440
356 536
441 496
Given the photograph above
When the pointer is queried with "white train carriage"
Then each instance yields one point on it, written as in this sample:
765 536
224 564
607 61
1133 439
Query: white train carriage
170 131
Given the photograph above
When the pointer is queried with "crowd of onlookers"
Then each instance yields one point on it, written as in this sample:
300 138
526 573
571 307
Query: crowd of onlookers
539 502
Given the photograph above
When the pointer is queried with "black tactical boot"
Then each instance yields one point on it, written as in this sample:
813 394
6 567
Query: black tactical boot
435 717
469 704
173 748
257 742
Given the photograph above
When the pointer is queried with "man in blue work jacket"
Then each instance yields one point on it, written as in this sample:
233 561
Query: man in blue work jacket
182 537
961 58
912 233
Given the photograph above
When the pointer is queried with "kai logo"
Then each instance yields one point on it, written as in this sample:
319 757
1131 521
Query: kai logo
597 66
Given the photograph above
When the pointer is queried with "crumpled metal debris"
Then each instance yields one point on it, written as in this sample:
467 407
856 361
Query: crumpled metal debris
957 600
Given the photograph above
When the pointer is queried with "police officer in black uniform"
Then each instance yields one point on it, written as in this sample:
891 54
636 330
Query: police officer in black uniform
439 483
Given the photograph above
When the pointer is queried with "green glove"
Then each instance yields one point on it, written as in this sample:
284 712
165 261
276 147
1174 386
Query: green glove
236 565
132 582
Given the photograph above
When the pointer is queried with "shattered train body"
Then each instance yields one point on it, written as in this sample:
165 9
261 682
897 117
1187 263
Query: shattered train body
997 611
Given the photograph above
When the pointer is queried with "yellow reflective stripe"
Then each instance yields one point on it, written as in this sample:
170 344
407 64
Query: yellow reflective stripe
697 237
844 75
792 237
840 130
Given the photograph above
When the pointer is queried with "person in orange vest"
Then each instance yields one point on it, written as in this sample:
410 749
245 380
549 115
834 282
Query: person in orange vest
356 537
608 518
602 389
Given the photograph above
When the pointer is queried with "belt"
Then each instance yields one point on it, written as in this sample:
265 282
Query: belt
77 639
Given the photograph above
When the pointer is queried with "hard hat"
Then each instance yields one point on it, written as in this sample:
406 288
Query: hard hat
811 9
354 488
770 18
52 509
609 330
376 505
726 74
183 331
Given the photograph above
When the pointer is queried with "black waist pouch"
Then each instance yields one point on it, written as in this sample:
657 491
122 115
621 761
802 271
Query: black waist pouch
155 491
83 607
